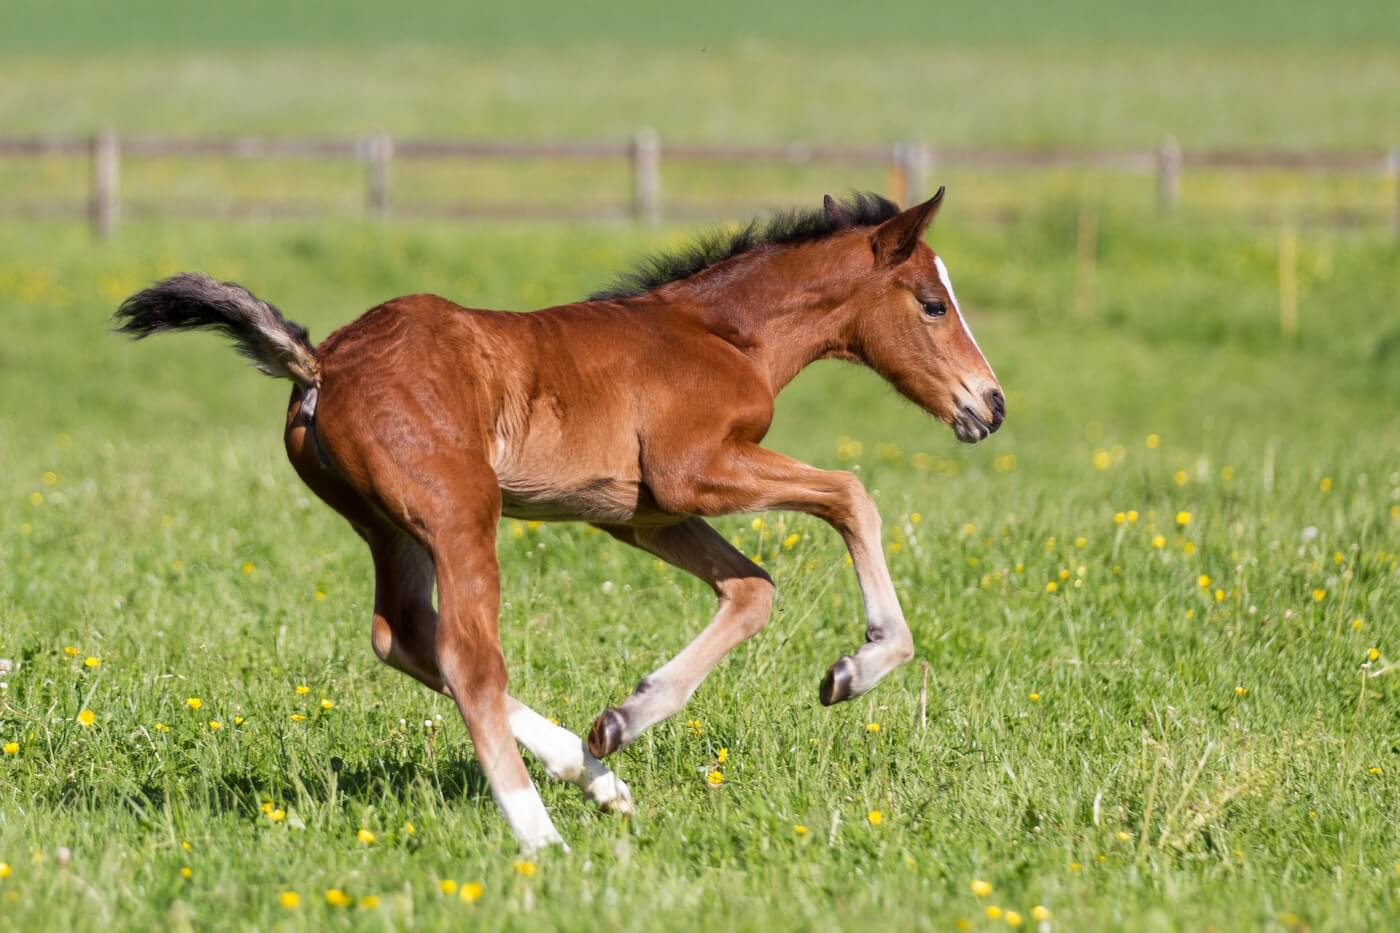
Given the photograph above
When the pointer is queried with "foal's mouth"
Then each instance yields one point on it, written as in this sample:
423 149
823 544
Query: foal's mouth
970 427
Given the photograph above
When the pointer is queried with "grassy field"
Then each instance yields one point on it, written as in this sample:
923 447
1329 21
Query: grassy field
1137 749
1156 614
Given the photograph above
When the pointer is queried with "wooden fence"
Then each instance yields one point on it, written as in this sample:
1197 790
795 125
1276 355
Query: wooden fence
908 165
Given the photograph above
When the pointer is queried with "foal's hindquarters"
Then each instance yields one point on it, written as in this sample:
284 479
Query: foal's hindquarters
428 504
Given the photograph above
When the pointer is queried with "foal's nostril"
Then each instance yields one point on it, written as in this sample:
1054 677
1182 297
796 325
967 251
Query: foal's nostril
996 402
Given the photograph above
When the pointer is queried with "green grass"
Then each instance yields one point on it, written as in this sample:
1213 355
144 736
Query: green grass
1243 811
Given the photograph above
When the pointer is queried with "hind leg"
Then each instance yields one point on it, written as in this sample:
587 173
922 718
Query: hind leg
405 637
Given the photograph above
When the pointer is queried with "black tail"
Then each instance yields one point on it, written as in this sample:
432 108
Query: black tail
190 301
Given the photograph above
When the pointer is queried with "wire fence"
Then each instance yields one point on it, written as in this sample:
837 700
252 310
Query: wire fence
908 167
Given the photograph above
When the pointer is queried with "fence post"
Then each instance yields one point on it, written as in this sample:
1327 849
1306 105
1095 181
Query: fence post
380 153
1168 175
898 181
916 167
646 177
1288 282
102 207
1395 192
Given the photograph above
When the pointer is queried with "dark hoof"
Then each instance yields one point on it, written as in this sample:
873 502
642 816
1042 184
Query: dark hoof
606 735
836 685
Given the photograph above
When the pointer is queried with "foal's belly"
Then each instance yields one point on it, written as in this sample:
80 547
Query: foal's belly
605 500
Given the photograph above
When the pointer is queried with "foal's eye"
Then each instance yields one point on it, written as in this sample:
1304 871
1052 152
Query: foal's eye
934 308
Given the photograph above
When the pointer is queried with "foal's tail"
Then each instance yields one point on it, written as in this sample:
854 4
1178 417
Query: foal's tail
190 301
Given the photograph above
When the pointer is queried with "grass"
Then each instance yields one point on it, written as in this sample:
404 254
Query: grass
1192 758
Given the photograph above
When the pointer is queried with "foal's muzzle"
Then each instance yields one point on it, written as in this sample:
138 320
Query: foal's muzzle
972 426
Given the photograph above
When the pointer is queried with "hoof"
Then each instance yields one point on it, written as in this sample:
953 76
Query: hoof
606 735
620 803
836 685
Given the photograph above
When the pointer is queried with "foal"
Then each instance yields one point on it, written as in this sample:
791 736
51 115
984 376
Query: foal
640 411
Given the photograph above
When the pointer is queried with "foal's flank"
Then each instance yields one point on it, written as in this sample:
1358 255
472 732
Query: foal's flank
641 411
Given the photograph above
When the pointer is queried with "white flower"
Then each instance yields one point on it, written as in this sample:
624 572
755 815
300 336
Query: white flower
1309 533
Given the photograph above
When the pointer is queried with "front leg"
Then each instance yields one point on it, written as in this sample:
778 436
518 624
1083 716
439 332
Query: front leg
744 477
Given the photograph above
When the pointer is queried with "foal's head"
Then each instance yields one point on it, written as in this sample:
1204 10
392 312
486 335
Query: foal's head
908 327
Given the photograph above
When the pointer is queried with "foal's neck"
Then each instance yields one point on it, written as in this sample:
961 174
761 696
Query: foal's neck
773 308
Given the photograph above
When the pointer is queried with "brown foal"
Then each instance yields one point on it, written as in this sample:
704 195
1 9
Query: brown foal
640 411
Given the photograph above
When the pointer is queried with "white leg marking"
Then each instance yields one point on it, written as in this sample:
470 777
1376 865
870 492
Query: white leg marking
525 812
565 757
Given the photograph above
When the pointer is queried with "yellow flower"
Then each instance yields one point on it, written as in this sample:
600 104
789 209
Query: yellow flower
715 778
875 817
408 827
1188 548
756 524
239 720
1033 697
186 846
872 727
1357 624
1119 518
791 540
723 755
1081 542
1203 581
1319 595
276 815
696 729
981 888
1123 836
187 872
1180 477
215 725
11 748
320 595
298 717
1039 913
1326 484
525 868
1051 587
1373 654
291 900
50 478
248 568
369 902
1375 771
71 651
799 829
36 498
365 836
194 702
161 727
92 662
915 518
993 912
1241 691
1013 919
1064 574
327 704
1132 516
337 898
1102 459
1183 518
1075 867
86 718
471 892
1153 442
1159 542
302 690
447 886
1227 473
6 871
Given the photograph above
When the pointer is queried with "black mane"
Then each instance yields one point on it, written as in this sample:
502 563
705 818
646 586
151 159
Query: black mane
859 209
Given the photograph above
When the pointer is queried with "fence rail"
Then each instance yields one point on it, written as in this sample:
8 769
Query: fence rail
908 164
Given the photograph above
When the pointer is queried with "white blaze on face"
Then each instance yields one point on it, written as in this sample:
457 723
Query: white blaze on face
948 287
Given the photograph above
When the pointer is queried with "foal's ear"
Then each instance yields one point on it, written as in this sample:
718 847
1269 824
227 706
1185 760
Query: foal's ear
895 239
836 214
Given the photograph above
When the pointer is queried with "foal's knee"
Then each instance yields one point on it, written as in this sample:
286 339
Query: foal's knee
750 599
